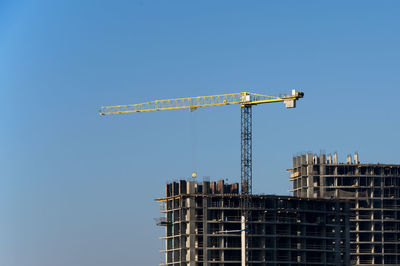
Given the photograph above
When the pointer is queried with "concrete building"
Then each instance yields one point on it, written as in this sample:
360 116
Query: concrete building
374 193
203 227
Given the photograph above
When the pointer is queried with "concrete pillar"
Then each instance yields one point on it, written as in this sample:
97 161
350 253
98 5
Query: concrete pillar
348 160
205 231
322 158
356 161
310 187
243 241
322 172
329 159
192 233
309 158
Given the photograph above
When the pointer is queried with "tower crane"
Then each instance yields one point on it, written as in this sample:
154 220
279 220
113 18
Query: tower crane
245 99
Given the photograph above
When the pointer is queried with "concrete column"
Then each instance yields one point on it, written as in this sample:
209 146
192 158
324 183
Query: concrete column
322 172
192 233
243 240
347 236
310 187
205 231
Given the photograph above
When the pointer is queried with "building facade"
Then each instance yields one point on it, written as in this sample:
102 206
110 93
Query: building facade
203 227
374 194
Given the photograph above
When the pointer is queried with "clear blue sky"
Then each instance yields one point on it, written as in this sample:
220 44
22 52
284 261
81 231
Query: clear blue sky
77 189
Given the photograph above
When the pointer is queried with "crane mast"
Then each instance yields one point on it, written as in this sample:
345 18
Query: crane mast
246 149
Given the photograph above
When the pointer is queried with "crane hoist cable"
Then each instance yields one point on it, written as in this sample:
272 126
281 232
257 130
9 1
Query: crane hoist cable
245 99
193 138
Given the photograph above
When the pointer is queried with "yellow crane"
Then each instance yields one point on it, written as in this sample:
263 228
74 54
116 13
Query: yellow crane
246 101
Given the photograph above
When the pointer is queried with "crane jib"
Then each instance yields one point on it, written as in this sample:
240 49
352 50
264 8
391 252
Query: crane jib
245 99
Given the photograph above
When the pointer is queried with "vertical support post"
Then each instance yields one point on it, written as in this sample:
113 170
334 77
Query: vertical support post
243 240
192 232
205 227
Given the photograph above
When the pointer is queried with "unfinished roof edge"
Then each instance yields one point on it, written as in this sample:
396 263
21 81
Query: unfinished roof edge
177 189
183 187
332 159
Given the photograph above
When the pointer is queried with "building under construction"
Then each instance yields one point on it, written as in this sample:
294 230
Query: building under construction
203 226
374 194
